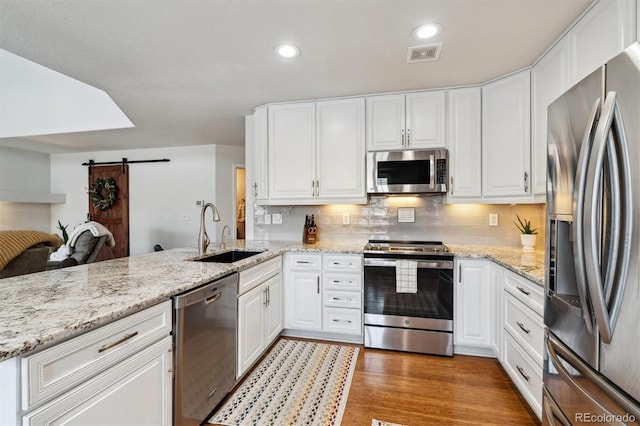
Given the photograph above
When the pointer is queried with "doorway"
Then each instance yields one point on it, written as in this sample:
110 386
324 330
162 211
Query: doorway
240 200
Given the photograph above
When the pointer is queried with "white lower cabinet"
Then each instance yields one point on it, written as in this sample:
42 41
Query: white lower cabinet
523 336
473 308
119 373
497 285
260 311
323 293
137 391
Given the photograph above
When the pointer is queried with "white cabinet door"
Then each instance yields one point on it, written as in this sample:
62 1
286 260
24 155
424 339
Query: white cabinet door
274 313
305 308
340 150
473 308
251 319
292 151
385 122
137 391
424 121
464 141
497 309
549 79
602 33
506 138
259 160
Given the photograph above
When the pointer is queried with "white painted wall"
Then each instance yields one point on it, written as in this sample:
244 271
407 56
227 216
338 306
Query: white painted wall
24 171
161 195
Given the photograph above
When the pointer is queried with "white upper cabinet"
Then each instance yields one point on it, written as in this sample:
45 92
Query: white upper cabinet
292 137
506 138
602 33
259 159
411 121
549 79
424 117
340 152
317 152
464 141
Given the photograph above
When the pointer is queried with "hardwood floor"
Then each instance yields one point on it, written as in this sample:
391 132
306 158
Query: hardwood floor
415 390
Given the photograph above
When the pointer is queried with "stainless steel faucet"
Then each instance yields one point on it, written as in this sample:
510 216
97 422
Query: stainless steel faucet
203 238
226 227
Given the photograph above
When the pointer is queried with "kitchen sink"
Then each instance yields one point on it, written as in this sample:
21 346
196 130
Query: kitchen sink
229 256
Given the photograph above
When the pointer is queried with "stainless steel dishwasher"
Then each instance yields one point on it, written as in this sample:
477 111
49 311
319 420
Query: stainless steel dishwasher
205 349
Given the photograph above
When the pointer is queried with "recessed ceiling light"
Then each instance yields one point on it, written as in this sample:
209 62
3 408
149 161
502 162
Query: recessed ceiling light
426 31
288 51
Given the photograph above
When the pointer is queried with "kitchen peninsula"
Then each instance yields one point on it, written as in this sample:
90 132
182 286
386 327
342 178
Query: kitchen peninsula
42 311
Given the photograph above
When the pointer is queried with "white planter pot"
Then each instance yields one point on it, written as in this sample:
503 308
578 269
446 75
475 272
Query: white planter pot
528 241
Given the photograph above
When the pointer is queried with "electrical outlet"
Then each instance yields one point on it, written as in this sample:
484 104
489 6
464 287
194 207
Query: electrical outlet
345 219
493 219
277 218
267 219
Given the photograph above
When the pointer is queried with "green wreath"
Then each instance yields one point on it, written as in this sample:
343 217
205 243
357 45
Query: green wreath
103 193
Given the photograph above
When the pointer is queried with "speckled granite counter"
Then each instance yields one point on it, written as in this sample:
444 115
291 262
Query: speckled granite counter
39 309
529 265
47 307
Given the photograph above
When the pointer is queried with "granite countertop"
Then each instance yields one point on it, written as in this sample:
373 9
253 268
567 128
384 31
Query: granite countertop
527 264
39 309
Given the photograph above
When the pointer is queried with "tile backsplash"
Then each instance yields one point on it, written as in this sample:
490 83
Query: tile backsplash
434 220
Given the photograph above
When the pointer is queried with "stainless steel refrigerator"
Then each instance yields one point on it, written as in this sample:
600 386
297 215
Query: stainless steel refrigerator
592 285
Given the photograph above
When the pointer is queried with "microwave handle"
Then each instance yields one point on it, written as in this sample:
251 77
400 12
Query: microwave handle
432 171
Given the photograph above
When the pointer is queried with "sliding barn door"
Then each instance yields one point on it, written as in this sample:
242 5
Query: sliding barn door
115 218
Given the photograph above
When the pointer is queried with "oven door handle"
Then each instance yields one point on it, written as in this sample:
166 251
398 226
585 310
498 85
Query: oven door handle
420 264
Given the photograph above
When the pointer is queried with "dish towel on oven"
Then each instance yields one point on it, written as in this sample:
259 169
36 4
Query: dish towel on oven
406 276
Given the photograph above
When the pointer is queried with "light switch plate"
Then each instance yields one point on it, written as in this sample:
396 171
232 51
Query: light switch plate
267 219
493 219
277 218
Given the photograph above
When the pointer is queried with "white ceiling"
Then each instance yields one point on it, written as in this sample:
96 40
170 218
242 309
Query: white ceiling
187 72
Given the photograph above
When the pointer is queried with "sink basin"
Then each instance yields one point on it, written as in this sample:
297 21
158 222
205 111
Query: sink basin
229 256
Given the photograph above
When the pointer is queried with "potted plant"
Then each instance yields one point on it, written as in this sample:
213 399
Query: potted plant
528 235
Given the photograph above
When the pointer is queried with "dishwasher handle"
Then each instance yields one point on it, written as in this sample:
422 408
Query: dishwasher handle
208 293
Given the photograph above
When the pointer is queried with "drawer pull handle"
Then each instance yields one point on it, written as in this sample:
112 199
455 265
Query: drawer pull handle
111 345
346 299
522 327
521 371
522 290
302 262
340 320
336 263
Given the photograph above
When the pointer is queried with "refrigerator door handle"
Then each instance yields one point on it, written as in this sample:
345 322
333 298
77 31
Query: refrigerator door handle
609 138
578 215
557 351
552 410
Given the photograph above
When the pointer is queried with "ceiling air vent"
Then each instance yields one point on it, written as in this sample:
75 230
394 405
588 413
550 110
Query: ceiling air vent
426 52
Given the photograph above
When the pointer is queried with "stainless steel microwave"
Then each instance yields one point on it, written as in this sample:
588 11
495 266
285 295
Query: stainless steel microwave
407 172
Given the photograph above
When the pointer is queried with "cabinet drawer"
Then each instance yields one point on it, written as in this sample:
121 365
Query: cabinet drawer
336 281
524 290
258 274
136 391
342 262
343 299
526 375
342 320
525 326
304 262
70 363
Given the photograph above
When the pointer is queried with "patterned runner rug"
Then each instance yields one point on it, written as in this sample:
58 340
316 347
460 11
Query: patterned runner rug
297 383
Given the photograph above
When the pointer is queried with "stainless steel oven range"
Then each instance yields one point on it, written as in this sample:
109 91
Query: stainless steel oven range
408 301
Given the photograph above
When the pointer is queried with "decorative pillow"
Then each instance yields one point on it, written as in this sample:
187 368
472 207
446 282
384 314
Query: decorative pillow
85 244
